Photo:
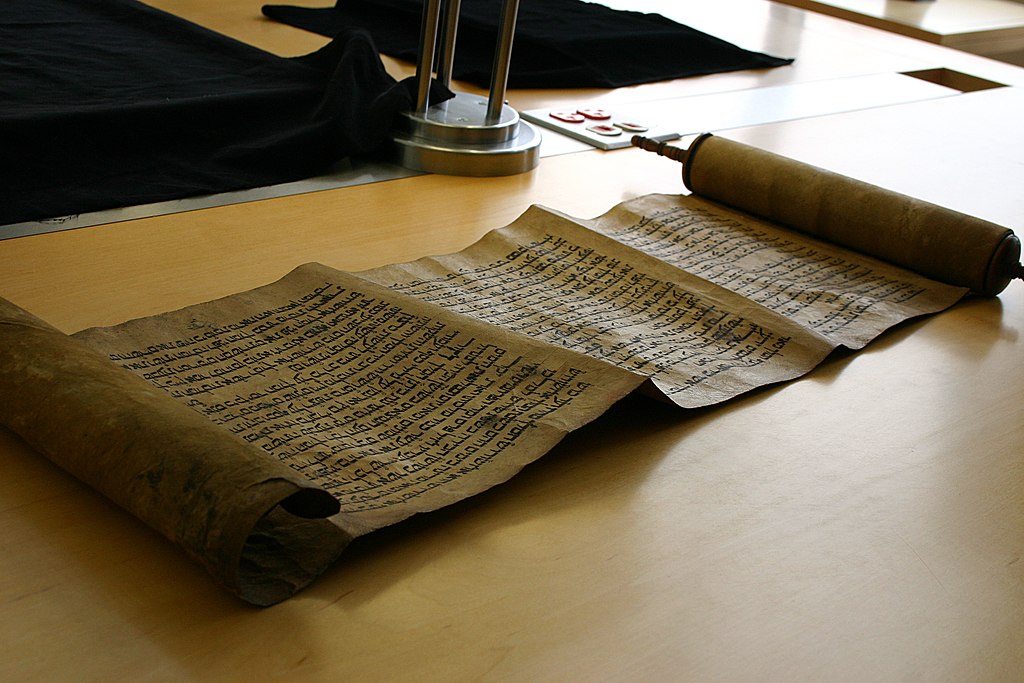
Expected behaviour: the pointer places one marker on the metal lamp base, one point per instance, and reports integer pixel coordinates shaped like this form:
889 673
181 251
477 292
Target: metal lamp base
455 137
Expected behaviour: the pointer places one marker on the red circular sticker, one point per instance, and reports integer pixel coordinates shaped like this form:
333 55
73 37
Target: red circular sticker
567 116
631 127
595 114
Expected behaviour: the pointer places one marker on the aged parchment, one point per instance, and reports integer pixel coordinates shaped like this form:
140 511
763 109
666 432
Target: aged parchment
391 405
704 304
263 431
847 297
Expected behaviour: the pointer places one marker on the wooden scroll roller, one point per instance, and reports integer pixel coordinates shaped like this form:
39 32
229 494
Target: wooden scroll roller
197 484
939 243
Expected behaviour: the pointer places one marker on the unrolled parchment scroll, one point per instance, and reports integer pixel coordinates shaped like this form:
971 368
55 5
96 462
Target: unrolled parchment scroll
936 242
263 431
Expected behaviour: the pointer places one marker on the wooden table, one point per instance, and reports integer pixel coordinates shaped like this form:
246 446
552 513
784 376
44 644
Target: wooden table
863 523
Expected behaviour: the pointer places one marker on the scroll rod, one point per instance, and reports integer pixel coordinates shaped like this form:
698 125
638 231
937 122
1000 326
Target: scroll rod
660 148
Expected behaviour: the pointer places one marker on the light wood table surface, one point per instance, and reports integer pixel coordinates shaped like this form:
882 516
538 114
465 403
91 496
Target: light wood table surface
864 523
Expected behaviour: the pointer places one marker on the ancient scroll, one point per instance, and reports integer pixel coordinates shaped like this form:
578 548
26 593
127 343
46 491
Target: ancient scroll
263 431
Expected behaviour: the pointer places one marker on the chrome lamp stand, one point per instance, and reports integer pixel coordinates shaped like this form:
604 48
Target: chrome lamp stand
467 135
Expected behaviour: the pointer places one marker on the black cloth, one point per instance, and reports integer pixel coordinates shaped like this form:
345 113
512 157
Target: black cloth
107 103
557 44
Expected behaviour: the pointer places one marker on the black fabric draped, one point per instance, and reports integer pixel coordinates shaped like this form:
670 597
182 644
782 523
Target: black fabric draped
107 103
558 43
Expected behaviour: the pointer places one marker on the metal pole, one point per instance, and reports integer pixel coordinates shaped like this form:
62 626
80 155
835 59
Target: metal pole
428 43
446 59
502 59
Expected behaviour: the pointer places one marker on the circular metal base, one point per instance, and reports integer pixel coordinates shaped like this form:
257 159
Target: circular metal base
454 138
461 119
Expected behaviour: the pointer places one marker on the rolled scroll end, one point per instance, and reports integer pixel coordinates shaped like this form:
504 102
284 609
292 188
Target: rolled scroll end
284 554
1004 267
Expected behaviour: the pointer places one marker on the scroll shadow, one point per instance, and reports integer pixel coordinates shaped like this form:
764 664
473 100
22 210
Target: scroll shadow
604 463
974 307
983 337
